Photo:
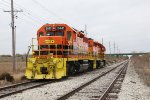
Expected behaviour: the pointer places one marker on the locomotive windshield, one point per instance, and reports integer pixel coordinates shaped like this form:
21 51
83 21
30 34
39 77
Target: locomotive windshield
55 34
50 34
59 33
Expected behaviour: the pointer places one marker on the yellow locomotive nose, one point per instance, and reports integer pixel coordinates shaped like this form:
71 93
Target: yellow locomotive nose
43 68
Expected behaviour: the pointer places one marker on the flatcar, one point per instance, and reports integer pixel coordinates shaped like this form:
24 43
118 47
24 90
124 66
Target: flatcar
62 51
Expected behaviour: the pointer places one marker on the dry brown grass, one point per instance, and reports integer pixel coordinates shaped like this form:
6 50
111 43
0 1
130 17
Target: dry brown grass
142 67
9 59
6 67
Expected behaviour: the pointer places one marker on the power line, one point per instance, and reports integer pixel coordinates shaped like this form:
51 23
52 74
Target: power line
1 8
4 4
45 9
33 18
28 12
30 20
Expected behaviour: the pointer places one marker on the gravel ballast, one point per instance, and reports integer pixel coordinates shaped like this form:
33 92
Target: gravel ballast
56 89
95 90
133 88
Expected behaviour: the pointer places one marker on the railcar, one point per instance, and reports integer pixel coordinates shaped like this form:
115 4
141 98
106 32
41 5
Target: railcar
61 51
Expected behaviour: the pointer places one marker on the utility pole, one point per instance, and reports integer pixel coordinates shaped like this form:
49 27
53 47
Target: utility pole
13 33
114 47
109 47
85 30
110 51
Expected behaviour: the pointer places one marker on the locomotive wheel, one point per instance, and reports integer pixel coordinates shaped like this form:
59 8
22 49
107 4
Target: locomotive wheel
77 67
104 62
71 69
98 65
90 66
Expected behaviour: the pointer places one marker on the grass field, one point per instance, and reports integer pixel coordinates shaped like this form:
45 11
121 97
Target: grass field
142 67
6 67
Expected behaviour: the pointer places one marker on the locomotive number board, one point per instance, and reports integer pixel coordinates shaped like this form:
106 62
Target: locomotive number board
49 28
60 28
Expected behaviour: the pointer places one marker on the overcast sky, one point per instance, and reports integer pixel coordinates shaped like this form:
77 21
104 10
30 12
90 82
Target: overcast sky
127 22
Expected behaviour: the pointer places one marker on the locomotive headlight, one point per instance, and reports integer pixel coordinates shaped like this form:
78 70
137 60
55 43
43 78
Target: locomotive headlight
54 61
33 61
33 52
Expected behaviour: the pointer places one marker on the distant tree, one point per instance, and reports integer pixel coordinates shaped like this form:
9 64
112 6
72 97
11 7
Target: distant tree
18 55
133 51
6 56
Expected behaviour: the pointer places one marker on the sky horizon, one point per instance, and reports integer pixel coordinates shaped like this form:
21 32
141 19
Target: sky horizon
124 22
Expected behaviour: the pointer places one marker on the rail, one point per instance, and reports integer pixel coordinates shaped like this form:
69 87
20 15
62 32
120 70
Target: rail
69 94
104 96
17 88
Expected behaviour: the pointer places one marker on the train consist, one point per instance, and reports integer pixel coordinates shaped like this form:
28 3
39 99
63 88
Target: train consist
62 51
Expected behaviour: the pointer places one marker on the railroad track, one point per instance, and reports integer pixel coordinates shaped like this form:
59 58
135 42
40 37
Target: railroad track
17 88
14 89
81 87
114 88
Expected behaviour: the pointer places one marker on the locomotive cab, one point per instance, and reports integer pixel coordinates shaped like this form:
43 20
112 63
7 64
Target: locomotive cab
55 39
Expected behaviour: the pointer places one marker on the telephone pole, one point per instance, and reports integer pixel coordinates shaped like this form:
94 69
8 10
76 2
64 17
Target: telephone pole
13 33
109 47
114 47
85 30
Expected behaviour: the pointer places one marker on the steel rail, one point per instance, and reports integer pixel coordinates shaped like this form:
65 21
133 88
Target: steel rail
72 92
9 90
104 96
13 85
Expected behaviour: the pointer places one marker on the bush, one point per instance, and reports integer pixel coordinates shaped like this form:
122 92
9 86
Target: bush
6 76
6 56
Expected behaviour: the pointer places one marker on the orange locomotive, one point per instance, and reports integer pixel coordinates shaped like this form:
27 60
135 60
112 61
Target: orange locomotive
62 51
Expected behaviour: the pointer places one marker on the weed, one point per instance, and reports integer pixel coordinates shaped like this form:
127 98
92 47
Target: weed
7 77
142 67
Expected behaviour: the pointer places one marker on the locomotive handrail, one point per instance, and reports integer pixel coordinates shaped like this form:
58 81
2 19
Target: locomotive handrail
29 47
56 49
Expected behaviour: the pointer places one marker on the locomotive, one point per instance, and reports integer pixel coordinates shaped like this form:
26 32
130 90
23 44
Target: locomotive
62 51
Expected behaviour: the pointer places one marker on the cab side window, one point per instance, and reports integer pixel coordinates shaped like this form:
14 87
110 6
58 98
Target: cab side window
50 34
41 34
68 35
